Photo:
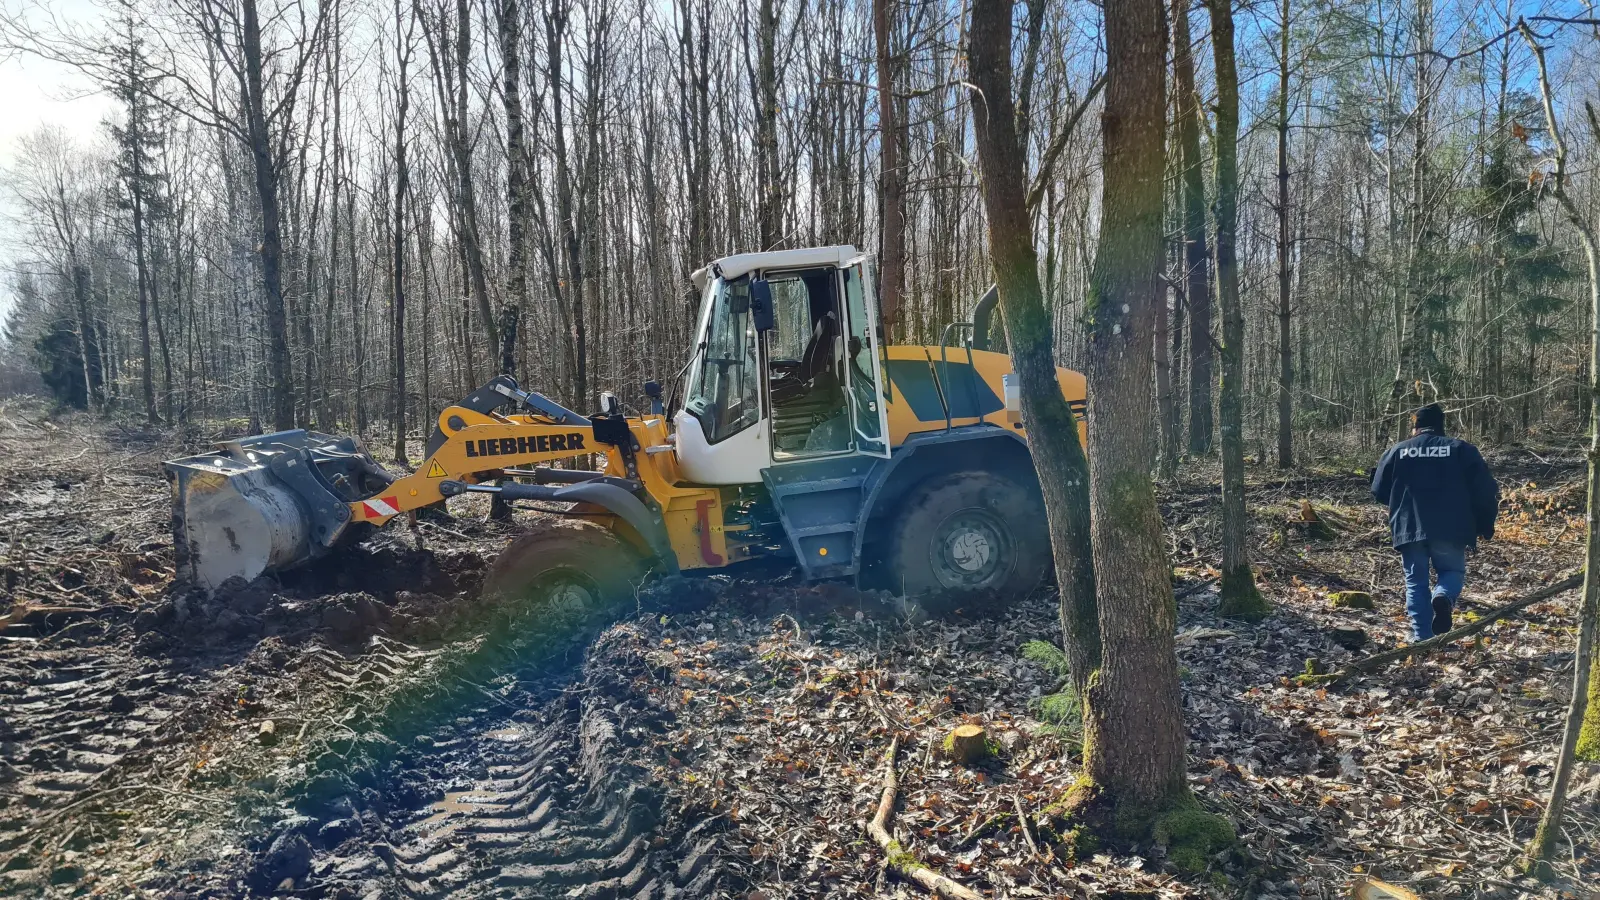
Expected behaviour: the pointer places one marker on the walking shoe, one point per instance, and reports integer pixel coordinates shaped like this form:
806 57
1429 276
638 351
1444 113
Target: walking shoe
1441 614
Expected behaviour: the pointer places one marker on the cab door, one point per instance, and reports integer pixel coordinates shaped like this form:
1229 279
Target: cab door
821 501
869 406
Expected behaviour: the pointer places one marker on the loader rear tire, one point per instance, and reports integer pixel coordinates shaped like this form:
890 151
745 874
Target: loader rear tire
568 572
971 533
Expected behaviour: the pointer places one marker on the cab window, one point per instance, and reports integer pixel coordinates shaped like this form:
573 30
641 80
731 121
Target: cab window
725 390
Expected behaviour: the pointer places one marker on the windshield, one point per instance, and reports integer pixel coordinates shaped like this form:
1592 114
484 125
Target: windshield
725 388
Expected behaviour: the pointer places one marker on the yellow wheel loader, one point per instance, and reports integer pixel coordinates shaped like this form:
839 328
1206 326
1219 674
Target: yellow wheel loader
800 436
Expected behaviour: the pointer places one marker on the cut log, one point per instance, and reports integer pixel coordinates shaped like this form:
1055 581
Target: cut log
967 744
1378 660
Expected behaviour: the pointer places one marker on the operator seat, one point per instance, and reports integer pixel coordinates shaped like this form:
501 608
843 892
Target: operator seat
815 362
811 390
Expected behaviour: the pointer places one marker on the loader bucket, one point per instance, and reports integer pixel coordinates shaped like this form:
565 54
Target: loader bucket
266 503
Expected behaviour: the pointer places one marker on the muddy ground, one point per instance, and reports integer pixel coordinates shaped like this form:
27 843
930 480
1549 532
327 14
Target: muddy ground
369 727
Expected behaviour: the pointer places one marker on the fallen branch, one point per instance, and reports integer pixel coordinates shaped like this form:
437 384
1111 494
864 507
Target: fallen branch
34 615
899 859
44 820
1379 660
1022 822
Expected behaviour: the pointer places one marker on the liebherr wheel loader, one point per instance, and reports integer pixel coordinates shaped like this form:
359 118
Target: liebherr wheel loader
800 436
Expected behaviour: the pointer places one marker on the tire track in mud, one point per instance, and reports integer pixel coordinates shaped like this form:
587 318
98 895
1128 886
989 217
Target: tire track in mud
72 719
557 801
82 726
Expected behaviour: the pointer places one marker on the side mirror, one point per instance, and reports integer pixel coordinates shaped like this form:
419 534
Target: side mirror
761 312
653 391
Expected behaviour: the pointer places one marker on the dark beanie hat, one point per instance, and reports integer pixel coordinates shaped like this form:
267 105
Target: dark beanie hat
1431 417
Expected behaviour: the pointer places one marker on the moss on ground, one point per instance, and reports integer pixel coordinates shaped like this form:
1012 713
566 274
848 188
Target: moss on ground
901 859
1351 600
1193 836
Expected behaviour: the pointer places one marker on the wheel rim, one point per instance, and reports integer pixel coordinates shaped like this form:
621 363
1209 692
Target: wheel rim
972 548
568 591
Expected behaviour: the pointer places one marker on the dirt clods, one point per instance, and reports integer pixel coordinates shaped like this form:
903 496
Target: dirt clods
287 860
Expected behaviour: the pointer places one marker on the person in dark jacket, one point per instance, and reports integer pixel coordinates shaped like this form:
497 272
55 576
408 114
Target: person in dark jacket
1441 500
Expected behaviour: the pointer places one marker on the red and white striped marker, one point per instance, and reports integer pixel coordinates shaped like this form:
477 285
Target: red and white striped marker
380 507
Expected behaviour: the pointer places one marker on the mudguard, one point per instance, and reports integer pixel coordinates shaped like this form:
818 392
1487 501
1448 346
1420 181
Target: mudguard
609 497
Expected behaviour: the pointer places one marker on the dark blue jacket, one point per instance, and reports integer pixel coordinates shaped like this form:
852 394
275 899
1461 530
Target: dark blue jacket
1438 489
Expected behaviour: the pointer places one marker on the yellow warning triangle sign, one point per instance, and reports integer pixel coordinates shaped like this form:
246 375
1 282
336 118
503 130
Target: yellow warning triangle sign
436 471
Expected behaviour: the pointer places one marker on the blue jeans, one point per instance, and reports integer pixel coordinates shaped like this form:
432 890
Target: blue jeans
1449 562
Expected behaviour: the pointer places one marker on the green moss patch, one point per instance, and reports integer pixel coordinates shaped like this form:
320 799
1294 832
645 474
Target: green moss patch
1352 600
903 860
1192 836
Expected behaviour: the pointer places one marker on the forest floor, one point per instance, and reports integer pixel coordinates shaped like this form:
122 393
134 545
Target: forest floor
369 727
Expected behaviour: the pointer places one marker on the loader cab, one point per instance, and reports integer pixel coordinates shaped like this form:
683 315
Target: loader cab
787 367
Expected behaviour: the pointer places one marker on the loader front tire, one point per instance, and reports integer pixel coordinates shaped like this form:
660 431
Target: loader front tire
567 572
971 533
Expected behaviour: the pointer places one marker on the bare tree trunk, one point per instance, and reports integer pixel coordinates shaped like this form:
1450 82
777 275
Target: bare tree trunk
164 348
516 180
1285 258
892 272
146 379
450 55
1408 372
278 364
1197 255
325 415
557 19
768 173
402 186
1053 432
694 86
1588 744
1580 735
358 333
1239 595
1164 405
1132 714
1178 336
516 193
88 342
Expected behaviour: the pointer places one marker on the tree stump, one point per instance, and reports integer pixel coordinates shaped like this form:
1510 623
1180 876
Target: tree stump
967 744
1308 524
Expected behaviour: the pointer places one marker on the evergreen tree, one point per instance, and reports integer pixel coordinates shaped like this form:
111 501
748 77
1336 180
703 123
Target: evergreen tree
139 140
1524 273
